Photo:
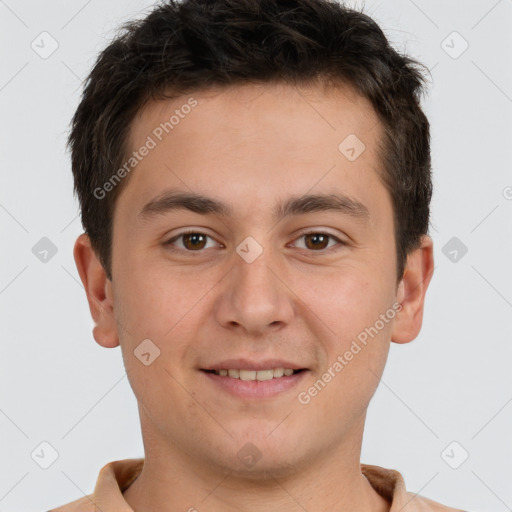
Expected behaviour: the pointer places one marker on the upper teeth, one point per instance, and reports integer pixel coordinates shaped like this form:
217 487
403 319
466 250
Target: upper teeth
255 375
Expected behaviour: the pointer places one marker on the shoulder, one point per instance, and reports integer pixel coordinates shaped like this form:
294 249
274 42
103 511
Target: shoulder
422 504
84 504
113 478
390 484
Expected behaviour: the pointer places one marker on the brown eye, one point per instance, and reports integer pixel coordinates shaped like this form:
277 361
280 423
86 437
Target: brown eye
318 241
192 241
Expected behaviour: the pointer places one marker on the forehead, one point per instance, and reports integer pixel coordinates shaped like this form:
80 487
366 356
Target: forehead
274 104
256 142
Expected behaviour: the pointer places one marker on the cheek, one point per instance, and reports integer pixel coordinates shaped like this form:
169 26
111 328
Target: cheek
166 307
156 320
346 300
154 301
353 311
356 344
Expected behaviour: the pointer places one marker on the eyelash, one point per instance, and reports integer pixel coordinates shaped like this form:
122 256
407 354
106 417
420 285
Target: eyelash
169 246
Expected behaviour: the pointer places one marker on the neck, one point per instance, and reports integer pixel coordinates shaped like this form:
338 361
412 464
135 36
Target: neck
173 480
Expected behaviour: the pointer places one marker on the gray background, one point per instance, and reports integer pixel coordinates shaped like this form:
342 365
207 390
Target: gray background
453 383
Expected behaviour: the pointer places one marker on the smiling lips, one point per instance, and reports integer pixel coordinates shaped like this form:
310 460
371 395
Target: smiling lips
246 375
248 379
246 369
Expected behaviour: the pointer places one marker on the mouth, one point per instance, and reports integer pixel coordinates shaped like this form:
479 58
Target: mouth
259 375
249 383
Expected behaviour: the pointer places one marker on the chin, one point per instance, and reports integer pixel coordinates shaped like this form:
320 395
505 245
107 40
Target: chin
261 457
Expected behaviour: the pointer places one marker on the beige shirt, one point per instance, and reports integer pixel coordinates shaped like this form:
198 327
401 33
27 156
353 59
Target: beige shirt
115 477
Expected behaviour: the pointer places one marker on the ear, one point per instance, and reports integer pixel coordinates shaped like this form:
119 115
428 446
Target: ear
411 292
99 292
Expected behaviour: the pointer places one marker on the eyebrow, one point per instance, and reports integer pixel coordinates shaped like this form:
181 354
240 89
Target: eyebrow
178 200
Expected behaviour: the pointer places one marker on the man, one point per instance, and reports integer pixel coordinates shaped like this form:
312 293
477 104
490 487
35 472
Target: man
254 181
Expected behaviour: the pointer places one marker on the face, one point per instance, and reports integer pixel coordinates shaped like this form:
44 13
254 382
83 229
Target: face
254 278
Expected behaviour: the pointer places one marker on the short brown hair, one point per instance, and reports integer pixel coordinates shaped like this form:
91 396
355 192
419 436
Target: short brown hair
185 46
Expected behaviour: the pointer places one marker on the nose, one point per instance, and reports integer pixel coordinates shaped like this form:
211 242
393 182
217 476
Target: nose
254 297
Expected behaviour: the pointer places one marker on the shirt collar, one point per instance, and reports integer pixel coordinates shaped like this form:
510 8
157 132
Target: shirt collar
115 477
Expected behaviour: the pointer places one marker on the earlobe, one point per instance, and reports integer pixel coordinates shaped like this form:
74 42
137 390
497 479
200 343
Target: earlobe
99 292
411 292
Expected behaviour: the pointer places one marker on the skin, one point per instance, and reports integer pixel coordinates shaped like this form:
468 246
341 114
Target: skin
252 147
